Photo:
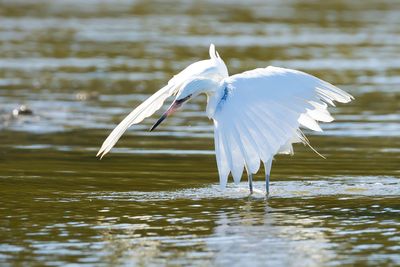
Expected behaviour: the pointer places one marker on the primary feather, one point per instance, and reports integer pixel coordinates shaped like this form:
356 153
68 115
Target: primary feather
144 110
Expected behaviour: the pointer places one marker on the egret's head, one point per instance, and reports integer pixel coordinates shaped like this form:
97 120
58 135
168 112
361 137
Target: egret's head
199 77
192 88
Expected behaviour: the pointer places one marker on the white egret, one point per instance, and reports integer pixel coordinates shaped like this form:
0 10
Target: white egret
257 114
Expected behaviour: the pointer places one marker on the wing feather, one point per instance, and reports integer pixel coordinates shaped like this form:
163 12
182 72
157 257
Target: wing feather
307 121
262 113
250 155
319 112
237 156
250 144
259 134
273 137
144 110
223 162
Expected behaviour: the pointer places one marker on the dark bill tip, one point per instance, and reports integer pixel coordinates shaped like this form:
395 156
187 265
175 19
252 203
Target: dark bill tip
160 120
174 106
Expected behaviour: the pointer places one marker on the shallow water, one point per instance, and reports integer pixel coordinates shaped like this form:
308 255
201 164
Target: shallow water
80 66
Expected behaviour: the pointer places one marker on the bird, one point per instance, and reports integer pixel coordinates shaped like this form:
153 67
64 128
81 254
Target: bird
257 114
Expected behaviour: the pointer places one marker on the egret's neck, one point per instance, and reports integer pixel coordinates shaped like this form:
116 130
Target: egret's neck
213 97
211 89
208 85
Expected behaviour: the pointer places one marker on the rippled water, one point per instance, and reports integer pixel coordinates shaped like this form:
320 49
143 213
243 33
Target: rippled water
81 66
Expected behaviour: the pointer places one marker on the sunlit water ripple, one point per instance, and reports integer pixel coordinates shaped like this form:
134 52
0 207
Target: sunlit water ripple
371 186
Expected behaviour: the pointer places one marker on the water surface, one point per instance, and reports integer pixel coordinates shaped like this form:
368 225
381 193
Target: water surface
81 66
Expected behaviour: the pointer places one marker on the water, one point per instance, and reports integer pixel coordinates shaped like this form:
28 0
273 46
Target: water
80 66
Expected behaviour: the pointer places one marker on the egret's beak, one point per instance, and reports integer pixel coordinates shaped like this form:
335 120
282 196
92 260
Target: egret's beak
174 106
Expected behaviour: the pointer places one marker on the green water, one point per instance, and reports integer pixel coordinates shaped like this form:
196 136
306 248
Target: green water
81 66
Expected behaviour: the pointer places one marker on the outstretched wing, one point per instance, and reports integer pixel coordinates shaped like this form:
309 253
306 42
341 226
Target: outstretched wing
260 114
144 110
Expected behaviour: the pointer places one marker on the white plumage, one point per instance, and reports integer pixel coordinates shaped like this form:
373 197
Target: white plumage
257 114
261 113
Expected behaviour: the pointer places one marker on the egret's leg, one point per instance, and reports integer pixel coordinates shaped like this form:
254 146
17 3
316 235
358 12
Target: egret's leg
250 182
267 166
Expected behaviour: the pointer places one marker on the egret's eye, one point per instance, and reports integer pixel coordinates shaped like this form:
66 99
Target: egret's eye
180 101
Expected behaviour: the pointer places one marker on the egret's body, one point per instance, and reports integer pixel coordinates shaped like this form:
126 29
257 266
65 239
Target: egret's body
257 114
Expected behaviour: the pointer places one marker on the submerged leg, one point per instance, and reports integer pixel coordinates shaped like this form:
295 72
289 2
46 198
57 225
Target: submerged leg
267 166
250 183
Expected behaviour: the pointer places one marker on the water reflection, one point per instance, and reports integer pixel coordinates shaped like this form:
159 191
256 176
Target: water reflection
256 237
